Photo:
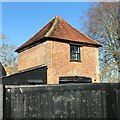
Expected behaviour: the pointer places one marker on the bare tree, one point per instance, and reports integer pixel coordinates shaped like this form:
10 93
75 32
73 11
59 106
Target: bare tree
7 56
101 22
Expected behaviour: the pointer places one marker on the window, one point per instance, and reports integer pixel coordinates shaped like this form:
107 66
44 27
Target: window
74 53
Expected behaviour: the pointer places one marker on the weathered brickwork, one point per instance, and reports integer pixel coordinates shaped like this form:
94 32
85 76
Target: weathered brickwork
57 57
63 67
37 55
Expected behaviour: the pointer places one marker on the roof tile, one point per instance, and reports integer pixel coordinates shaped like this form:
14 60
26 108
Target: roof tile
59 28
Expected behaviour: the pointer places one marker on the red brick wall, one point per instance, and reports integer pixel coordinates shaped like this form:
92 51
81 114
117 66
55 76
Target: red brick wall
57 57
37 55
61 65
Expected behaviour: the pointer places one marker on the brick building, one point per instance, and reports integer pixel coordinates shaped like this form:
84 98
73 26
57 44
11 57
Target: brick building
63 49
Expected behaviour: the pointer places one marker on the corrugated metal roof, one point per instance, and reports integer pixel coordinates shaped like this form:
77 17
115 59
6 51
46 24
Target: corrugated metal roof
59 28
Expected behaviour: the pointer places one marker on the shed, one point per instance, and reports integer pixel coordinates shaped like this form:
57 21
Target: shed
35 75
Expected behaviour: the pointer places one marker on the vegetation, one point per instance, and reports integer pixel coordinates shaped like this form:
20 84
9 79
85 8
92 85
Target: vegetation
101 22
7 56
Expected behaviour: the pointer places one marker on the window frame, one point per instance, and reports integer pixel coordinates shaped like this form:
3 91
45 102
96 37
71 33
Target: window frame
75 53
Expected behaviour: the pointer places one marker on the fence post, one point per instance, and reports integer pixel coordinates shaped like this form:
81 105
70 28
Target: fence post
111 99
6 103
1 101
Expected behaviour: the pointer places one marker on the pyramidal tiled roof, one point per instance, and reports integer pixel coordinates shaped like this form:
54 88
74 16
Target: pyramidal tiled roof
59 28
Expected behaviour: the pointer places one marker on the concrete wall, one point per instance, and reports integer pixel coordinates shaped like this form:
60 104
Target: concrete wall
57 57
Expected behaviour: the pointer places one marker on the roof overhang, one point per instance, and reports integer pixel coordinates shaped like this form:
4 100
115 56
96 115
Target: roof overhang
20 49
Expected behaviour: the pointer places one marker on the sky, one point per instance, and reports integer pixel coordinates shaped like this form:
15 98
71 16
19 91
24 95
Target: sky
21 20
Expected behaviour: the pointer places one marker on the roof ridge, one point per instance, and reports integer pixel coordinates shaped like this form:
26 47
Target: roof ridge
52 27
36 33
40 30
82 33
61 29
89 37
